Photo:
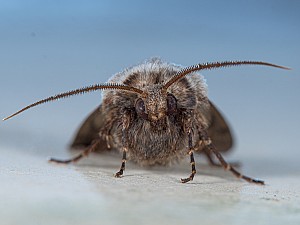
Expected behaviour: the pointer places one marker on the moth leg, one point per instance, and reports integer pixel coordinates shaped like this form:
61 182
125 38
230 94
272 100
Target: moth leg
192 160
120 173
226 165
188 129
212 162
208 155
89 149
125 125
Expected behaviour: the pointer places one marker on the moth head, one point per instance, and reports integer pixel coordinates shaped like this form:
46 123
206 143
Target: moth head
156 102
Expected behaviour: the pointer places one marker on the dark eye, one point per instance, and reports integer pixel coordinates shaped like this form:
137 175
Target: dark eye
171 103
140 107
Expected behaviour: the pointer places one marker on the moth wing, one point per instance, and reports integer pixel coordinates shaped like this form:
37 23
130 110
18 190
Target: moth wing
219 130
89 130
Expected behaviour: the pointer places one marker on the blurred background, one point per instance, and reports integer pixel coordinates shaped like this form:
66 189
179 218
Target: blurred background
48 47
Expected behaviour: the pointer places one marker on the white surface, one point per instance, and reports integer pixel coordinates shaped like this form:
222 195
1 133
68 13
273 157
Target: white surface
36 192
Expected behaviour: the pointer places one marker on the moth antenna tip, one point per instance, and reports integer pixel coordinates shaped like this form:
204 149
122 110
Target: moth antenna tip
282 67
8 117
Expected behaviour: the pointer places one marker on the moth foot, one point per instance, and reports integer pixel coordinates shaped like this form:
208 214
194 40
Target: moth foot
185 180
119 174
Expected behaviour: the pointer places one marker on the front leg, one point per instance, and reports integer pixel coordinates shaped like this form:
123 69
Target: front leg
125 124
188 128
192 160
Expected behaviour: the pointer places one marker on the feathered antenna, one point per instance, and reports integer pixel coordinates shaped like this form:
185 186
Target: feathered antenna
80 91
207 66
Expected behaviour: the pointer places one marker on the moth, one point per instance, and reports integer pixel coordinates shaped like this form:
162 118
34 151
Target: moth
156 113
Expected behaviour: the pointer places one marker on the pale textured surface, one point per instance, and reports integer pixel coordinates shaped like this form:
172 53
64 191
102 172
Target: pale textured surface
36 192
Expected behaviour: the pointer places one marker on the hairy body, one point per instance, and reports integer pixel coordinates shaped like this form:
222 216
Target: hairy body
164 140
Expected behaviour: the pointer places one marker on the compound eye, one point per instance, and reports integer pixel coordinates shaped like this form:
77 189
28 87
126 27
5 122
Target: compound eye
171 104
140 106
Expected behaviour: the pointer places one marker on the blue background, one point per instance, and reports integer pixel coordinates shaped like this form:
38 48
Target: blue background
48 47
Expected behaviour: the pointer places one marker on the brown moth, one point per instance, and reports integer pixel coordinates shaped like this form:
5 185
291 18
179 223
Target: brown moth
156 113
